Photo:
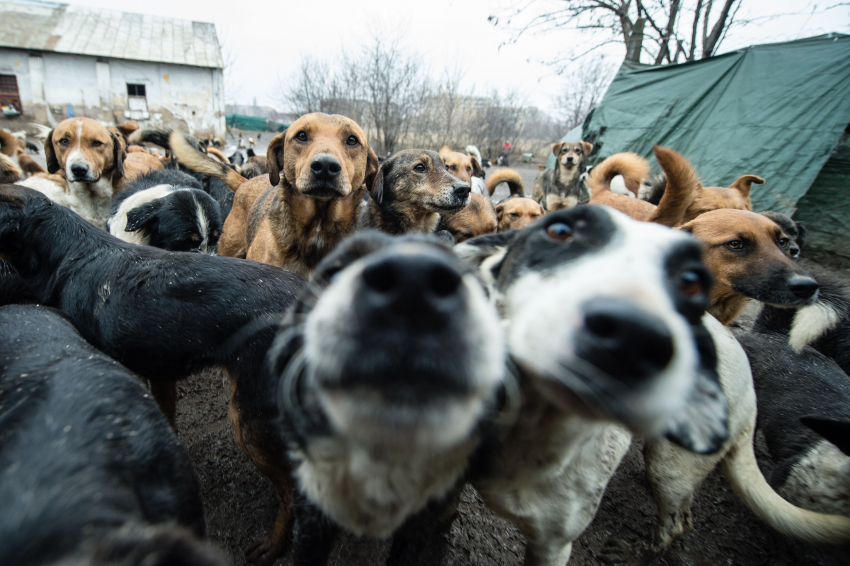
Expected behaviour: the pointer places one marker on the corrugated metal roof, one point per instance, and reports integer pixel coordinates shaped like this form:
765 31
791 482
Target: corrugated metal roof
52 26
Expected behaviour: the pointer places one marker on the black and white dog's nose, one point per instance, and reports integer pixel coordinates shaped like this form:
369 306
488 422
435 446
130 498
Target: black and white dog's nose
462 190
78 170
623 341
325 167
423 288
803 287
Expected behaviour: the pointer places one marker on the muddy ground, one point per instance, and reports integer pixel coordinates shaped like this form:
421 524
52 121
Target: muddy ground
240 503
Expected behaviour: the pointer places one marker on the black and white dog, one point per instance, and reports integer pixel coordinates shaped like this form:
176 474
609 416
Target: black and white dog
604 318
804 413
90 472
387 370
167 209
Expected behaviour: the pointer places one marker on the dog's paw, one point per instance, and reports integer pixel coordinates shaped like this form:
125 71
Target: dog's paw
264 551
631 551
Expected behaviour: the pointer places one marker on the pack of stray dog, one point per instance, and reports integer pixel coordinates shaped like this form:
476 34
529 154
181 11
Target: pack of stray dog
390 335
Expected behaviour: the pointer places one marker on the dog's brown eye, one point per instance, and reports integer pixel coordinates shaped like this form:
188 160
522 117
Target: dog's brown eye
96 143
352 141
690 283
735 244
64 141
420 168
301 136
559 231
783 242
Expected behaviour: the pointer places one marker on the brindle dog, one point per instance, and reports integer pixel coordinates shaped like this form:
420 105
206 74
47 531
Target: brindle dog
562 187
410 191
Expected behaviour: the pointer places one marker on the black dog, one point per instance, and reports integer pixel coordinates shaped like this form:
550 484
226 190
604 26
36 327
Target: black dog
804 413
167 209
386 371
162 314
87 461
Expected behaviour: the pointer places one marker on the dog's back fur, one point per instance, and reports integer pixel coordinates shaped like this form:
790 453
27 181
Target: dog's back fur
84 450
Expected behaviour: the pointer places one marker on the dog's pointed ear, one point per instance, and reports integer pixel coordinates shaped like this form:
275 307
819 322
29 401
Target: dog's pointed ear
274 156
744 183
477 171
834 430
119 153
556 148
141 216
372 167
50 155
376 188
586 148
801 234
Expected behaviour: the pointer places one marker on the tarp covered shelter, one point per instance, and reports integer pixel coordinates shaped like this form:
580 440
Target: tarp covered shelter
780 111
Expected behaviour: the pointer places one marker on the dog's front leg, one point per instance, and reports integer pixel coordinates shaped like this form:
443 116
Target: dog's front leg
312 532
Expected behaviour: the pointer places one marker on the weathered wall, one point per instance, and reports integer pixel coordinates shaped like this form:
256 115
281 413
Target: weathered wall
178 96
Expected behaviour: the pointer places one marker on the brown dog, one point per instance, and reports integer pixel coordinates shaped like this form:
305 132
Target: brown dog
8 143
462 166
28 164
9 171
310 200
748 255
410 192
562 187
682 183
93 161
736 196
517 212
476 219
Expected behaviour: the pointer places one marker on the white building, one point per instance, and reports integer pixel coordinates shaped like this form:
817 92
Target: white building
108 65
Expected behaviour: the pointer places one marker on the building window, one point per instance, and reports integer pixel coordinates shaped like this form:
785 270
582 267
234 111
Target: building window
136 90
137 103
10 98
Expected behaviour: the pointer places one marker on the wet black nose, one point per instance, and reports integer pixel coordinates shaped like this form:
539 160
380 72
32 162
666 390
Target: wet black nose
803 287
325 167
623 341
79 170
462 190
570 158
422 290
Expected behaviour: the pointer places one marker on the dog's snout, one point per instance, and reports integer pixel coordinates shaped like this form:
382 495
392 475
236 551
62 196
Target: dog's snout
623 340
79 170
422 288
325 167
803 287
462 190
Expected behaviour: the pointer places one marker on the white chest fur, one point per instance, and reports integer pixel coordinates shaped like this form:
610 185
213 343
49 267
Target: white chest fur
371 493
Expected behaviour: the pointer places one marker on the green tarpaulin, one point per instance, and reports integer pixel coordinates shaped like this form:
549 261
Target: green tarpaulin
250 123
777 110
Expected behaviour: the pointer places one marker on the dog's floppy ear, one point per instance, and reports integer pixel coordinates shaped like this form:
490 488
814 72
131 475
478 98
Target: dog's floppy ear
476 167
485 254
745 182
586 148
500 209
50 155
376 188
801 234
372 167
143 215
274 156
835 430
119 153
556 148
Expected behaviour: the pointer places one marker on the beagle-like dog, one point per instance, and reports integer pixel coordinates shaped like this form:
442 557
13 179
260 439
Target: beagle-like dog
310 200
95 165
517 212
563 186
706 199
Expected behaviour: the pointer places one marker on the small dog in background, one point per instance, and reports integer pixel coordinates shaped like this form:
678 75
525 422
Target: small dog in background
168 210
410 192
563 186
28 164
475 219
514 213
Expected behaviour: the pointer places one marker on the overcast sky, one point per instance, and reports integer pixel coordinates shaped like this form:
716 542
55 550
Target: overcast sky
268 38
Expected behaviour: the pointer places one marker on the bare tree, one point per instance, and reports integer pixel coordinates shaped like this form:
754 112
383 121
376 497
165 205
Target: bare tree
584 86
643 26
232 89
